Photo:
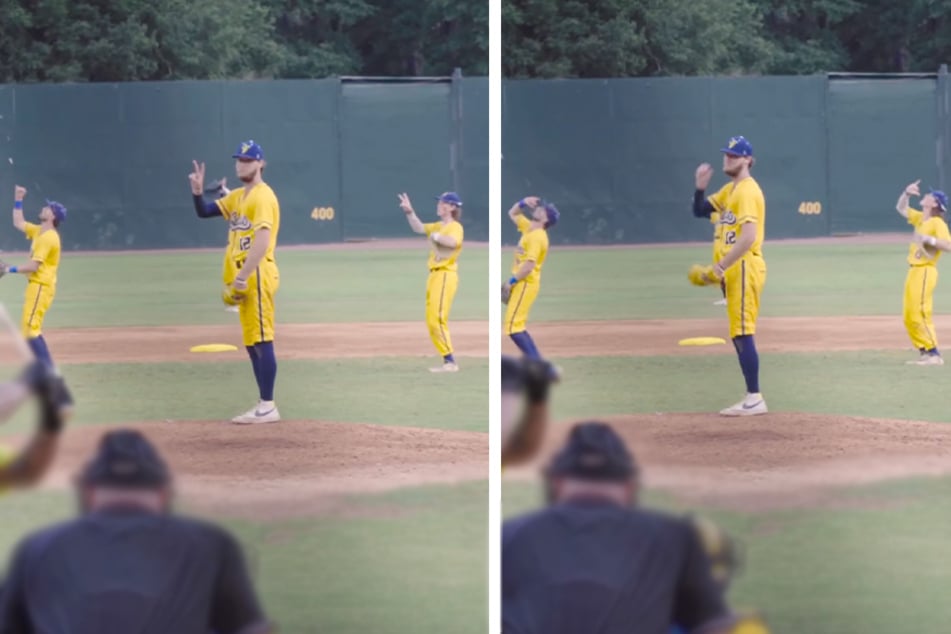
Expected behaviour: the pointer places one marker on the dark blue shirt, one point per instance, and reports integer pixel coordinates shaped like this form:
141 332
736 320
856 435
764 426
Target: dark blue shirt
129 572
592 567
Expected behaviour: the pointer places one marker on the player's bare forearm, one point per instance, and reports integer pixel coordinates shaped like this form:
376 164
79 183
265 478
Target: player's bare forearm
936 243
444 241
515 211
30 466
415 223
30 267
18 220
902 204
742 245
262 237
524 270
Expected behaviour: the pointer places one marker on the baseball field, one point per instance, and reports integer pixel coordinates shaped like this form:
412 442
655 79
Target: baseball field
840 495
365 509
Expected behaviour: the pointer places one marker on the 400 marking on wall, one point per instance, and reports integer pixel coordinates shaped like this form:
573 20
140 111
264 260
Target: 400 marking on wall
810 208
322 213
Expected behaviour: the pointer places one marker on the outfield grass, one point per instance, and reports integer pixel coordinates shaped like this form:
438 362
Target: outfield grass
413 560
873 384
651 283
159 289
876 565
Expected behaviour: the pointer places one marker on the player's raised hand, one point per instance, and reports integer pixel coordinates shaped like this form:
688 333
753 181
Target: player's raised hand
532 201
912 190
703 175
19 192
197 178
405 204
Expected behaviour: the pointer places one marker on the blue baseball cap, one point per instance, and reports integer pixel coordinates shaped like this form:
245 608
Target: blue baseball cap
738 146
941 198
552 213
450 197
59 212
249 150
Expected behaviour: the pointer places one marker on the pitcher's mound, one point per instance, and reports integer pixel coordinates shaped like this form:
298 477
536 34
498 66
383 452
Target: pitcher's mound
293 468
781 460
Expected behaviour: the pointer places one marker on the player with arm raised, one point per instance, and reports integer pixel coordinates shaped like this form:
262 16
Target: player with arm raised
251 275
520 291
446 238
741 266
930 239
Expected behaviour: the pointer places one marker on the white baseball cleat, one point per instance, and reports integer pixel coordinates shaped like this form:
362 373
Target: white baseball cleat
232 309
720 302
445 367
260 413
929 359
752 405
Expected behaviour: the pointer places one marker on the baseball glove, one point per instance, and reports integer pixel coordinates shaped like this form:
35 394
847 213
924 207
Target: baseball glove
702 275
722 550
506 292
231 297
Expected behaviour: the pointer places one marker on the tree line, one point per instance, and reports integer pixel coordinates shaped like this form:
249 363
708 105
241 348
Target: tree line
649 38
135 40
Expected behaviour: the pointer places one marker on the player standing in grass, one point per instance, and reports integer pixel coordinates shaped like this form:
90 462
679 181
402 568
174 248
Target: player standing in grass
446 238
931 238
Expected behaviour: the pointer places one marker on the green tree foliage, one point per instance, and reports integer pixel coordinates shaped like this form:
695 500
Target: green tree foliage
128 40
643 38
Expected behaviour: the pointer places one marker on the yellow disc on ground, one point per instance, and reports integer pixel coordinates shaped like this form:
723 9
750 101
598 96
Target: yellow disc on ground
214 347
701 341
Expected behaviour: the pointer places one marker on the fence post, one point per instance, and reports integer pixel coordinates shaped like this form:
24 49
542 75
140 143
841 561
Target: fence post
455 144
943 97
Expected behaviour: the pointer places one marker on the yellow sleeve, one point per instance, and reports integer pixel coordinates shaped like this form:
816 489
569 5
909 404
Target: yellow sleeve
263 211
940 230
749 205
31 230
914 217
523 223
718 200
533 247
456 231
429 227
230 202
715 218
43 245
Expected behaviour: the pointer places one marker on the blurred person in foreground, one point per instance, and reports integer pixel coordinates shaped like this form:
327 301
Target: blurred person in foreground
38 381
525 387
127 564
594 562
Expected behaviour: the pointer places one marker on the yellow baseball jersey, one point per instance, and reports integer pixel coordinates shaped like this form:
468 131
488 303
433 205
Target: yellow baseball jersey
442 258
45 250
533 246
738 205
920 254
247 213
717 235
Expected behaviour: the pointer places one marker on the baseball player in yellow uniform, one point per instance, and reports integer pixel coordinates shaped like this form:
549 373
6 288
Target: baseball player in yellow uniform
741 267
40 270
930 239
521 289
250 274
445 238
